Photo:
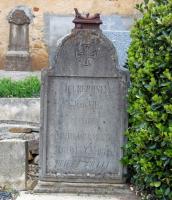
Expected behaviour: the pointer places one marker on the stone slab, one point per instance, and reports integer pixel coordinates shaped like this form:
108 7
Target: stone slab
13 165
116 23
18 75
121 40
82 188
84 138
83 116
6 134
20 110
27 196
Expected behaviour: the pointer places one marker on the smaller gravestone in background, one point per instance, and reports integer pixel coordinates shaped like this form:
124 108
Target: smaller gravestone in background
83 114
18 57
13 164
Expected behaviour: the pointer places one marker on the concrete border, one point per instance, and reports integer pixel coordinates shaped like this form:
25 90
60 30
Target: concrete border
18 75
20 110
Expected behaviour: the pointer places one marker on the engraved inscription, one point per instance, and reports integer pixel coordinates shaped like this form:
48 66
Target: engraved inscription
84 138
84 105
79 92
100 166
86 150
85 54
74 164
80 135
93 89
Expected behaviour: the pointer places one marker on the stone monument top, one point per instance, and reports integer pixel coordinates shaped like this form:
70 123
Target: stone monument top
20 15
87 51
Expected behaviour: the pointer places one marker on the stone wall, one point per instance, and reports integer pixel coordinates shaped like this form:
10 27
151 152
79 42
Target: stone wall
20 110
42 9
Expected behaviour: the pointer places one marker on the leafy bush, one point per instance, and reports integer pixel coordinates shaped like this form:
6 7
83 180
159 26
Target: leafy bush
29 87
148 152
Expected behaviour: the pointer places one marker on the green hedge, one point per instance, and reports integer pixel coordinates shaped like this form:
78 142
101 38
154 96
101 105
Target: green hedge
29 87
148 152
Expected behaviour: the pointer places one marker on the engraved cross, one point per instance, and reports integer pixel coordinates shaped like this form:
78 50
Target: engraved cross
85 53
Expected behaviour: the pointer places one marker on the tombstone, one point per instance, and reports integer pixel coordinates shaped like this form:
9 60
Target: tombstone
18 57
13 165
83 114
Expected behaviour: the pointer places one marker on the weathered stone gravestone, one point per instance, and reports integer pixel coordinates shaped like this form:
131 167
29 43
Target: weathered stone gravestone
18 57
84 115
13 165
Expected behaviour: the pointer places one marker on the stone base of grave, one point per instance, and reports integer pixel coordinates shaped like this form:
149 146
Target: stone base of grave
18 61
82 188
14 164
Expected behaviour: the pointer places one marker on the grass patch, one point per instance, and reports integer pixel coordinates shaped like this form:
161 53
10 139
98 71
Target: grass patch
26 88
